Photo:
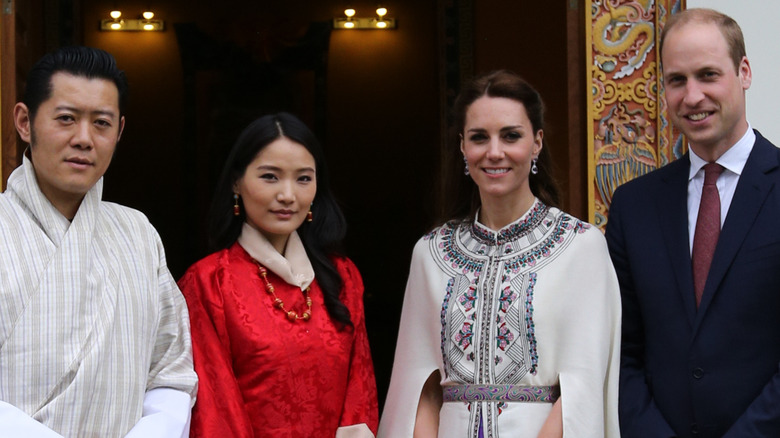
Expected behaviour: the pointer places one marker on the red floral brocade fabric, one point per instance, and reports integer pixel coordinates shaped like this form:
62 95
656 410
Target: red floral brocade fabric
262 375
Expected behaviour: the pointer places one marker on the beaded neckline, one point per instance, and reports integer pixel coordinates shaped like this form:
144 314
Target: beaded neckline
511 232
278 303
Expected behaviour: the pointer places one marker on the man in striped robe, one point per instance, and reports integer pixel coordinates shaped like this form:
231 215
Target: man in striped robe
94 334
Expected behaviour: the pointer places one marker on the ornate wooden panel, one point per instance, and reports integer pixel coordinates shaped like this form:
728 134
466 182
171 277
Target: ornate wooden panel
629 133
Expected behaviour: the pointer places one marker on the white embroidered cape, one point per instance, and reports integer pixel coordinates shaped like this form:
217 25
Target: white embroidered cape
534 304
90 317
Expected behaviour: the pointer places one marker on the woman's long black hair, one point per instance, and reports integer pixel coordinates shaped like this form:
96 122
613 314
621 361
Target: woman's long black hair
321 237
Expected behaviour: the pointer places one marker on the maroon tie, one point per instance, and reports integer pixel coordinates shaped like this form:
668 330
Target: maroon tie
707 229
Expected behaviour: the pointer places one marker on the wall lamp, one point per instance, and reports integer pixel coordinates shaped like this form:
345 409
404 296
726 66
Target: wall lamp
349 21
147 22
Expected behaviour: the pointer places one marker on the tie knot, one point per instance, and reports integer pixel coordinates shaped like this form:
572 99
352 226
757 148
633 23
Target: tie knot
711 173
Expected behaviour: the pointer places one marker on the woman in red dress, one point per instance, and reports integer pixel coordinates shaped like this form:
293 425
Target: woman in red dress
278 334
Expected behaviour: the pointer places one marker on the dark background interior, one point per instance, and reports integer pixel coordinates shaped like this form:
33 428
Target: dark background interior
377 100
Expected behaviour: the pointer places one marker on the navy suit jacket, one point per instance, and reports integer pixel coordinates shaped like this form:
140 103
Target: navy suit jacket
712 371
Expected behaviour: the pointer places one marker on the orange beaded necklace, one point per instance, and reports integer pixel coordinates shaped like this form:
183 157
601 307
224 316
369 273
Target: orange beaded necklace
278 303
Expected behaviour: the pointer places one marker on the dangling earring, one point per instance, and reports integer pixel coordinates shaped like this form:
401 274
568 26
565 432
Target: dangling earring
236 208
466 162
534 169
309 216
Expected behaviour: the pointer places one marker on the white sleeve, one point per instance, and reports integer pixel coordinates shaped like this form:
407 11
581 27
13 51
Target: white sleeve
589 341
17 423
417 351
355 431
166 414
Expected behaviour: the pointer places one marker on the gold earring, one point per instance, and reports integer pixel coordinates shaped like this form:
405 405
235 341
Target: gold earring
236 208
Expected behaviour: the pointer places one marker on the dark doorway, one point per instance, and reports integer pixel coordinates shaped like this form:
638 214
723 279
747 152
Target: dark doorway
372 98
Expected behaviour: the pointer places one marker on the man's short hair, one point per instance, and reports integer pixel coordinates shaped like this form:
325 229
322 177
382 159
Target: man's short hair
727 25
79 61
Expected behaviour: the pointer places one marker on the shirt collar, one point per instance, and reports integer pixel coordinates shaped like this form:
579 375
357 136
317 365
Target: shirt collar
293 267
529 220
23 183
733 159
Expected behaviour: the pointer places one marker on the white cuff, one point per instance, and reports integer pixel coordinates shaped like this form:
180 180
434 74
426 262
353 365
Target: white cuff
166 414
15 423
355 431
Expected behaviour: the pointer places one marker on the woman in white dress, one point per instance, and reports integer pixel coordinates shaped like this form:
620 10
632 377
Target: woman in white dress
511 318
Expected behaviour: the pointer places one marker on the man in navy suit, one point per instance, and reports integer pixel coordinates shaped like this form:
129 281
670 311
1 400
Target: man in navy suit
701 348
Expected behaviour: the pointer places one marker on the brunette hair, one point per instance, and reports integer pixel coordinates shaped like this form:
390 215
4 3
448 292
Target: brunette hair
731 31
460 194
321 237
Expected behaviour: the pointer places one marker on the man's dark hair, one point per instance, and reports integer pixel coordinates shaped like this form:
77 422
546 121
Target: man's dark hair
79 61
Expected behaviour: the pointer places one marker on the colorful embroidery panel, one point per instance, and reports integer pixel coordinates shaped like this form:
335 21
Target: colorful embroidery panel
488 334
511 393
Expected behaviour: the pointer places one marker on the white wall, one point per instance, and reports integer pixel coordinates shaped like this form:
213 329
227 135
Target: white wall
758 20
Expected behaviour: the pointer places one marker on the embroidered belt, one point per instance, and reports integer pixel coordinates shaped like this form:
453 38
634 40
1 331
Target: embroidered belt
506 393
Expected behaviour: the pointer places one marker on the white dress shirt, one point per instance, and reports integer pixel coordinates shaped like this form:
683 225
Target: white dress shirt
733 161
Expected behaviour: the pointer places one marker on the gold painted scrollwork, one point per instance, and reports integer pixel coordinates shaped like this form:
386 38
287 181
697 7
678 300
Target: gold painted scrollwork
625 31
630 133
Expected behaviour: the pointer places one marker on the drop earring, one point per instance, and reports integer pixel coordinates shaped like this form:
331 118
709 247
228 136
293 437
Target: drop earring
466 169
534 169
236 208
309 216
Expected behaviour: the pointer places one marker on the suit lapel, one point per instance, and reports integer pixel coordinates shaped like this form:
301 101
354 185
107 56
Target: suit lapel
752 189
673 218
